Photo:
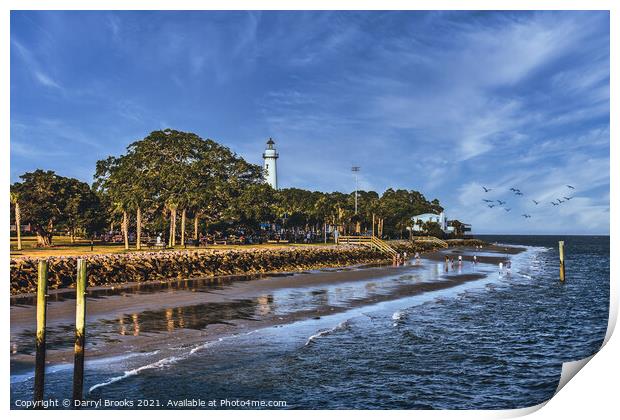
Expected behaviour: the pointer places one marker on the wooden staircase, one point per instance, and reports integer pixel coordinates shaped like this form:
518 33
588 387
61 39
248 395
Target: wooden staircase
431 239
370 241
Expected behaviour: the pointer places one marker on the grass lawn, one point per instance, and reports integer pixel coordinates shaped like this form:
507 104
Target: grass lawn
62 246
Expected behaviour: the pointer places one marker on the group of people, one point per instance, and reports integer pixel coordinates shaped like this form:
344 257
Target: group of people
507 267
450 262
401 258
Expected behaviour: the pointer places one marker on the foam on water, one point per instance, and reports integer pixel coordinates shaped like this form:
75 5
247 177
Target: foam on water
322 333
157 365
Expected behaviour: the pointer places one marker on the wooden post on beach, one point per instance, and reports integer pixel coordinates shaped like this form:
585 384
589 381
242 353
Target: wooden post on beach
39 370
561 260
80 315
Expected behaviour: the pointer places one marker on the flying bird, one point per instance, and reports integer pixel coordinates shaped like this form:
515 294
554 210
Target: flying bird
560 201
491 205
513 189
568 198
570 186
535 202
501 203
518 193
507 209
487 200
486 189
527 216
554 203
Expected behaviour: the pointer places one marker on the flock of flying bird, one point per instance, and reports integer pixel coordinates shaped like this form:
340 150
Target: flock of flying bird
517 192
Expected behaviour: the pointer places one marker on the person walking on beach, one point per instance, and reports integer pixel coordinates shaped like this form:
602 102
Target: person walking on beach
447 262
460 260
501 267
475 260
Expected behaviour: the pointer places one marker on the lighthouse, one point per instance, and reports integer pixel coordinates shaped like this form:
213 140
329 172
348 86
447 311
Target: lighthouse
271 156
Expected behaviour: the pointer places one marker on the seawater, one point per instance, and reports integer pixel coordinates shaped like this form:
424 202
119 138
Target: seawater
494 343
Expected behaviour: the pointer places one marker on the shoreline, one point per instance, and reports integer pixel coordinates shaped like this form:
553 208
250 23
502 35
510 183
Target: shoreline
246 302
23 270
119 269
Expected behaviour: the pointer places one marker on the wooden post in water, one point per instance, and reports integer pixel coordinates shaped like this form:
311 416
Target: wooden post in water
80 333
39 370
561 260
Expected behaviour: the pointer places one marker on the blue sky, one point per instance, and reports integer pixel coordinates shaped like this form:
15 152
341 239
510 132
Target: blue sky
442 102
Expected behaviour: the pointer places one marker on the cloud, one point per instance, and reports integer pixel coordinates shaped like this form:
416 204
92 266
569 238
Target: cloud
45 80
33 65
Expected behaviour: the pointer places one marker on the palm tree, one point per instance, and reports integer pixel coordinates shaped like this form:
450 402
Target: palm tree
18 219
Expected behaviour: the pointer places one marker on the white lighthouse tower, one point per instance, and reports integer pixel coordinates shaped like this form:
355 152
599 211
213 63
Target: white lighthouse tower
271 156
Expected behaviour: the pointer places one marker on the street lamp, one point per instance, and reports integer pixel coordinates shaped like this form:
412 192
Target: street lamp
355 170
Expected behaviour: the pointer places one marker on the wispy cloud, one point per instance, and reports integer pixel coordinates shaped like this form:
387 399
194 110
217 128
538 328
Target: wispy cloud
33 66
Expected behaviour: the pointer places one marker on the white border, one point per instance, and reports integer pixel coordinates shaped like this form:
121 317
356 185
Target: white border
593 394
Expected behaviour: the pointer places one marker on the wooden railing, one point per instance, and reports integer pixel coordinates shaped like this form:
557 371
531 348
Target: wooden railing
431 239
371 241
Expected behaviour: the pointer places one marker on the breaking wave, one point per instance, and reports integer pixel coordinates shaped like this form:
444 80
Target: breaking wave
325 332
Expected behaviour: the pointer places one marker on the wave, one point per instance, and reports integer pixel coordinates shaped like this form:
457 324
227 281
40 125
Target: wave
325 332
205 345
397 315
160 364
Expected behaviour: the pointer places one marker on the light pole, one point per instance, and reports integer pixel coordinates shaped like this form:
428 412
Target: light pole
355 170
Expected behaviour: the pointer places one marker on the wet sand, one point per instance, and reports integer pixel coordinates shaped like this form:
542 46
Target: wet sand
145 320
467 253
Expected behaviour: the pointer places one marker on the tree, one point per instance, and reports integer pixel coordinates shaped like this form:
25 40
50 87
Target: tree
176 171
255 204
50 201
433 229
15 203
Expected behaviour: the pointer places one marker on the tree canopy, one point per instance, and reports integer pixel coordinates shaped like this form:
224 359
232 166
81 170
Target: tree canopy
51 202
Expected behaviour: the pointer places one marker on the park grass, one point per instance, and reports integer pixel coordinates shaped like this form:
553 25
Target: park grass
62 247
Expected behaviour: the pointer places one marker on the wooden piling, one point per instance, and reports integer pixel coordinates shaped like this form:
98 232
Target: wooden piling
39 370
561 260
80 330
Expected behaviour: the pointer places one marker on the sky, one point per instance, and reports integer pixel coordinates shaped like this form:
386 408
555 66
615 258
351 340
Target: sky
441 102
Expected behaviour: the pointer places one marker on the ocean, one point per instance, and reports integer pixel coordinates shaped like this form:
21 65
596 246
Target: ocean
496 342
